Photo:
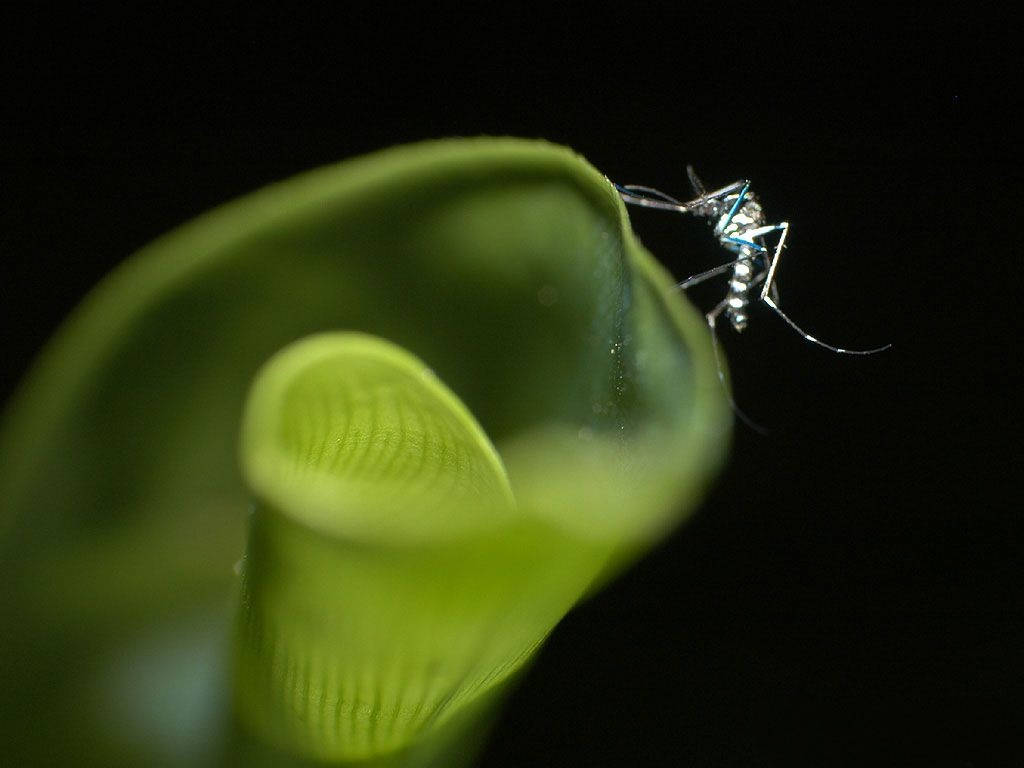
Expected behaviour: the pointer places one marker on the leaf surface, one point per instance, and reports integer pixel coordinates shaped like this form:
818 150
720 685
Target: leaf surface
507 268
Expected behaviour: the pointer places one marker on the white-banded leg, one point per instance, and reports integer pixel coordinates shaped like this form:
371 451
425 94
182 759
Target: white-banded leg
841 350
770 295
760 232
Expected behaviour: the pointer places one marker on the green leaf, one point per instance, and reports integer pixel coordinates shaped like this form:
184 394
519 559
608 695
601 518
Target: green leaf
363 442
505 266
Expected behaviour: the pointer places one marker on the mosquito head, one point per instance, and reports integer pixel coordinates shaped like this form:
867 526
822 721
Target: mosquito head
712 210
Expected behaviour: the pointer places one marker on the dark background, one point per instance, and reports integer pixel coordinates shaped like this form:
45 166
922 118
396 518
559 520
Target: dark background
850 593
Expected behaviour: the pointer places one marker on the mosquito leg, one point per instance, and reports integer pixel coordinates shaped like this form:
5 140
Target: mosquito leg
700 277
770 294
649 197
711 317
728 189
724 222
769 280
775 308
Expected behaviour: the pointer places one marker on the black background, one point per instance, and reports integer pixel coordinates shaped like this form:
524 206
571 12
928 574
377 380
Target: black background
850 593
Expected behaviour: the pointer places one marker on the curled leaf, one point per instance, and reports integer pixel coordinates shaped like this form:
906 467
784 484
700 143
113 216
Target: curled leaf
578 420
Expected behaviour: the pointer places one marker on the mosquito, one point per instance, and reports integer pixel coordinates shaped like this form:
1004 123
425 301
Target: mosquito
740 227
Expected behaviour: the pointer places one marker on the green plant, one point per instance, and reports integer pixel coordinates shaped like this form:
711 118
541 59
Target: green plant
483 399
